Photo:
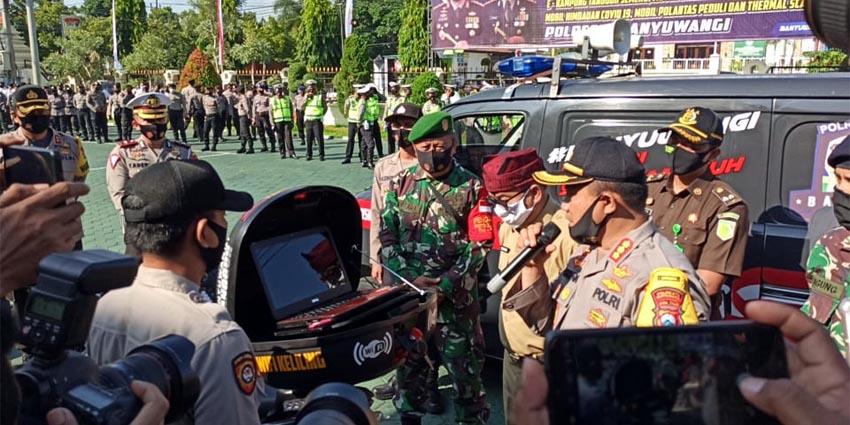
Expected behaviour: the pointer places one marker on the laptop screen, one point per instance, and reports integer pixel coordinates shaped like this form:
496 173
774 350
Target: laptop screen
299 270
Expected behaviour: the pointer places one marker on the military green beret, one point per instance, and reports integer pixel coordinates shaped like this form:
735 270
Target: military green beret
432 126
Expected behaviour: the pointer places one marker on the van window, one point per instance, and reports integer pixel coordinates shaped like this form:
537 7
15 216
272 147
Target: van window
483 135
807 182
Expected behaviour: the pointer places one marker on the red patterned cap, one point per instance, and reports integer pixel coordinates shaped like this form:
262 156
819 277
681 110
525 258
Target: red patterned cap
511 171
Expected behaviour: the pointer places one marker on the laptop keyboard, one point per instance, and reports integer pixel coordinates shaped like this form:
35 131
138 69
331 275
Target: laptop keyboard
318 311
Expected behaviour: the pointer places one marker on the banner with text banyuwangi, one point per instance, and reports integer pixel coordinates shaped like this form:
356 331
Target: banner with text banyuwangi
462 24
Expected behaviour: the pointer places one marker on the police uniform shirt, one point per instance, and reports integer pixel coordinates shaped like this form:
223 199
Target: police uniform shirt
159 303
464 23
448 100
69 149
57 105
713 222
177 101
261 104
514 22
116 102
70 109
516 336
210 103
96 101
243 107
603 290
128 158
385 169
80 101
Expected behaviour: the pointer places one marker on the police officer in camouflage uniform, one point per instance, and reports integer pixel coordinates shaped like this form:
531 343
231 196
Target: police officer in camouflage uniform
150 117
425 238
827 270
31 113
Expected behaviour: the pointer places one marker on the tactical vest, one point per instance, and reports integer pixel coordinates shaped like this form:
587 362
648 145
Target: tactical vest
373 109
281 109
353 109
313 110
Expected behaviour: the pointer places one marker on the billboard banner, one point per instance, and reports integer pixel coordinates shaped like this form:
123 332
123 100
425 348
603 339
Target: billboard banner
464 24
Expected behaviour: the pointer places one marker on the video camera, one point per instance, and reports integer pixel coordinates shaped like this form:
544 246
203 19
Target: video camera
56 316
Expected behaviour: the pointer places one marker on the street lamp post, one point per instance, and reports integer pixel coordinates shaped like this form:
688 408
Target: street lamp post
36 63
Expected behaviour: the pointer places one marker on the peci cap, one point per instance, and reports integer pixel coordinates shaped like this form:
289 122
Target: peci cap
405 110
698 125
840 156
596 158
150 106
432 126
180 189
511 171
29 98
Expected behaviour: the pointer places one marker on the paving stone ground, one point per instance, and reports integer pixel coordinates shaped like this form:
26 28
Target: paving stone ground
263 174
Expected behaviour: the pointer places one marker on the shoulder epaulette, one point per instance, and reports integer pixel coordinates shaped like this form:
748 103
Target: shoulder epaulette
658 177
127 143
726 195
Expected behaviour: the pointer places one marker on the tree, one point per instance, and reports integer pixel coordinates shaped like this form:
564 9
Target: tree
378 22
355 67
254 49
48 21
318 43
199 68
131 23
414 42
296 73
160 47
423 82
99 8
203 27
85 54
832 59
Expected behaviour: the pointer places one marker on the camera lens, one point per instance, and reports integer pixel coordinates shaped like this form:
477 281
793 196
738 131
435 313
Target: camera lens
336 404
830 22
166 363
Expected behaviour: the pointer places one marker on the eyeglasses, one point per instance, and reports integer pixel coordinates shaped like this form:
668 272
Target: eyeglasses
504 204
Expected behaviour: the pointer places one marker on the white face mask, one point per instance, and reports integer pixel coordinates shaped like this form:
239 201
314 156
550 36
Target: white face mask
514 215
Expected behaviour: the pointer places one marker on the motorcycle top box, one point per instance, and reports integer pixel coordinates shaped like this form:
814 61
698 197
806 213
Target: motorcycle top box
290 277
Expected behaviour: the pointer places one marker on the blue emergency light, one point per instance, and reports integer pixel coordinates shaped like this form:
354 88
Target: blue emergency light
526 66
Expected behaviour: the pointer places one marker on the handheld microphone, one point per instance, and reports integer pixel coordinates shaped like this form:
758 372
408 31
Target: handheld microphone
547 236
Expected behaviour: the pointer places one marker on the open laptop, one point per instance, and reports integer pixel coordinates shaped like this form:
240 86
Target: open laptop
306 283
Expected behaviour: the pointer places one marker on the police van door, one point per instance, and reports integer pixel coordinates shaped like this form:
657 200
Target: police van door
800 187
636 123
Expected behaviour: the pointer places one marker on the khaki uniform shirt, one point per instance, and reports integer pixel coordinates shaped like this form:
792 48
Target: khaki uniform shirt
128 158
80 102
385 169
243 106
116 102
177 102
431 107
604 289
299 100
96 101
159 303
261 104
713 218
210 104
517 337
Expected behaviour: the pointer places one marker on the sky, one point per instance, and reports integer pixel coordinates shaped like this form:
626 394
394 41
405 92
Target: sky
262 8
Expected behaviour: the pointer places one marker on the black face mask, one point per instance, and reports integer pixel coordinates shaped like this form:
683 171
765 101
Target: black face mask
36 123
685 162
434 162
212 256
402 138
154 131
586 231
841 206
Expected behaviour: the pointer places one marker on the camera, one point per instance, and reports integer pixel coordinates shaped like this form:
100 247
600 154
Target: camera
55 317
830 22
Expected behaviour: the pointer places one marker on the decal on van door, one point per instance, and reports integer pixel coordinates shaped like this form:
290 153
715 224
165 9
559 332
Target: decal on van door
644 140
806 202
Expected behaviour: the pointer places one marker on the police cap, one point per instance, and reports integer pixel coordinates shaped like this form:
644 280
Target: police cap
150 106
840 156
698 125
596 158
29 98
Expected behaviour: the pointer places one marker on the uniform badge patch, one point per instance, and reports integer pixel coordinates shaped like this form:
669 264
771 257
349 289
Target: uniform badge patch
621 250
692 218
613 285
114 159
597 317
245 372
725 229
622 272
565 293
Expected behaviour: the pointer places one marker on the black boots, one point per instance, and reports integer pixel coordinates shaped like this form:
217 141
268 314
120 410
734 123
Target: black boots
434 405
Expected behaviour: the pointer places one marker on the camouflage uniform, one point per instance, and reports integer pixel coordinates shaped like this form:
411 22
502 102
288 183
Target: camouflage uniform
829 282
421 237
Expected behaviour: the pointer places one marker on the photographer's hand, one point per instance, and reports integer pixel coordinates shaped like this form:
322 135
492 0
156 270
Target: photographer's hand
153 410
35 221
818 391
